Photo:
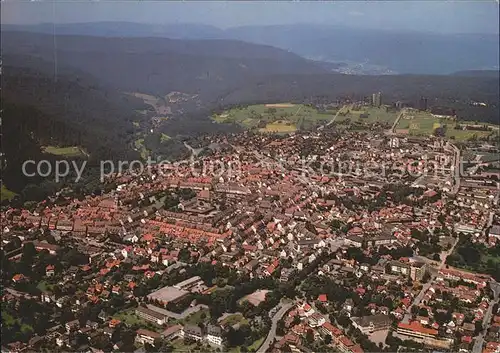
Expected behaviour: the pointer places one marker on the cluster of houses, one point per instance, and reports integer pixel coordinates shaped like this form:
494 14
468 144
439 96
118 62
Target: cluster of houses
272 216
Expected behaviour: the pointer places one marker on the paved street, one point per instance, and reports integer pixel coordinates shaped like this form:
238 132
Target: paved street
272 333
456 187
427 285
393 127
479 341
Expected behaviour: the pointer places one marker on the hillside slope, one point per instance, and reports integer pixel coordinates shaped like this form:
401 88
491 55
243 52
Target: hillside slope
403 52
158 65
79 113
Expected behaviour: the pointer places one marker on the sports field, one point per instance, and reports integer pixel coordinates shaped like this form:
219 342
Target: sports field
275 117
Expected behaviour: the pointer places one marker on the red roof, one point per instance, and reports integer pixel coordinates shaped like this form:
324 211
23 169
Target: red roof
335 331
417 327
467 339
356 349
322 298
360 290
346 341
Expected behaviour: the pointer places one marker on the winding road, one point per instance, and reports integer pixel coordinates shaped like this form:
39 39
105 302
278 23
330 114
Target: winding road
272 333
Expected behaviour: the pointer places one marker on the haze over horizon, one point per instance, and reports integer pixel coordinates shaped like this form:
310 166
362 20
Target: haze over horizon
448 17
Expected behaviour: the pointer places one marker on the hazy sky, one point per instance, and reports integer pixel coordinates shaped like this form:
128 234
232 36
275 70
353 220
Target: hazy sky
427 15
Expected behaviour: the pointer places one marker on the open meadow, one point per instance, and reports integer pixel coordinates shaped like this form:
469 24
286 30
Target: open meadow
70 151
6 194
367 114
275 118
419 123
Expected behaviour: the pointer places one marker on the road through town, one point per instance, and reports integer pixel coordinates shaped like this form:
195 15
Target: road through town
272 333
479 340
427 285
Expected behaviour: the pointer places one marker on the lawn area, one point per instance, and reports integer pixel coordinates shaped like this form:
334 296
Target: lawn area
70 151
165 138
373 115
198 317
266 117
6 194
139 147
475 257
233 320
256 344
44 286
424 124
252 348
464 135
279 126
179 346
128 317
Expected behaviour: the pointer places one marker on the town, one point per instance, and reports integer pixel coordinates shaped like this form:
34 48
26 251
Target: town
330 239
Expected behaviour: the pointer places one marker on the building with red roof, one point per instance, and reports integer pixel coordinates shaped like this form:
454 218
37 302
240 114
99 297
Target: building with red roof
323 298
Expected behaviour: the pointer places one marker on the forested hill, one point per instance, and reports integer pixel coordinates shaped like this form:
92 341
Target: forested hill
399 51
39 110
160 65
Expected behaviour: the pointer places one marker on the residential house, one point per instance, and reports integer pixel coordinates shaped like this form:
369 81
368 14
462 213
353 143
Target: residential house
151 315
146 336
193 332
372 323
214 334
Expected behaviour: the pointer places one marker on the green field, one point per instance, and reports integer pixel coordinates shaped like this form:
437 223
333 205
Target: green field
44 286
233 320
279 117
374 115
424 124
179 345
130 318
71 151
198 317
280 126
256 345
252 348
165 138
6 194
139 147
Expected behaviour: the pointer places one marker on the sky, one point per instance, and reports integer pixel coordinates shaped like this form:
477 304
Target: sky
439 16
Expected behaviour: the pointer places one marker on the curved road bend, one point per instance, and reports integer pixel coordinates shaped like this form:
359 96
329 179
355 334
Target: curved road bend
272 333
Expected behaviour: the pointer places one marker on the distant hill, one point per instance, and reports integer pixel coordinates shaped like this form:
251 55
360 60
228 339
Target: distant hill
403 52
478 73
160 65
124 29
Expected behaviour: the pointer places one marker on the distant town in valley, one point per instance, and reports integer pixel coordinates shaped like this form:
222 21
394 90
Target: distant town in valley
268 186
